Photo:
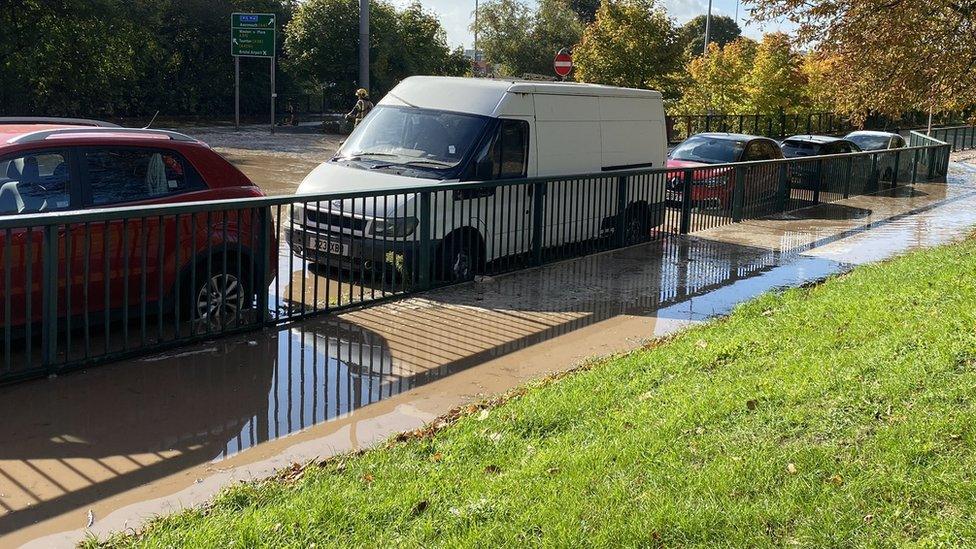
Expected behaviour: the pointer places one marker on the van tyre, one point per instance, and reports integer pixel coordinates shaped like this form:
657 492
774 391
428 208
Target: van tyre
457 259
636 225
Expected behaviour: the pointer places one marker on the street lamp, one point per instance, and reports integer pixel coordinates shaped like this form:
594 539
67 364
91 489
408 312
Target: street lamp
477 68
708 27
364 44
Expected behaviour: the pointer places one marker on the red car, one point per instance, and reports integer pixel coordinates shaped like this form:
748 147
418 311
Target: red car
49 165
714 186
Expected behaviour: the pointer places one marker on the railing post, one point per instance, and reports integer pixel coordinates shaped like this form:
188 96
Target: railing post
708 122
738 194
930 152
538 220
875 175
914 166
424 253
816 190
263 262
783 190
847 177
49 297
686 182
619 236
894 170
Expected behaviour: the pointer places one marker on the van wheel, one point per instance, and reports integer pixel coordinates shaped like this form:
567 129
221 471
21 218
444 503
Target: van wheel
457 259
636 227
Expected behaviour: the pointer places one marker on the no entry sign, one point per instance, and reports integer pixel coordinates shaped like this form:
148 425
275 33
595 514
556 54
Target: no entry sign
563 63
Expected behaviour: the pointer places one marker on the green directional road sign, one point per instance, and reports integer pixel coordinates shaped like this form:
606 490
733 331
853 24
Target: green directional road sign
252 34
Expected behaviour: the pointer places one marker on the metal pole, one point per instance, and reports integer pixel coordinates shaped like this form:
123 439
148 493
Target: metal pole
273 94
237 93
364 44
477 67
708 27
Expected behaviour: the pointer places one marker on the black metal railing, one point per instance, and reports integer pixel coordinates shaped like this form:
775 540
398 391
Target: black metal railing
88 286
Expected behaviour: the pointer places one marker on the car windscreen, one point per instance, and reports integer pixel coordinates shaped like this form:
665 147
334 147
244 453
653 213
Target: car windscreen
870 142
708 150
413 137
794 147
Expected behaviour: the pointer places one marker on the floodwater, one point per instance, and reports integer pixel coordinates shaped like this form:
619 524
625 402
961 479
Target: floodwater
276 163
138 438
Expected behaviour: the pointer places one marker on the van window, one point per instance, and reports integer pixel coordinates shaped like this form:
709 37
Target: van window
506 157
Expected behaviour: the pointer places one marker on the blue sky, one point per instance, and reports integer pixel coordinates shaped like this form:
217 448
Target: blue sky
456 16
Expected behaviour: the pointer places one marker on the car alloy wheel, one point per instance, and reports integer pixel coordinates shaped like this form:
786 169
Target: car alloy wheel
219 301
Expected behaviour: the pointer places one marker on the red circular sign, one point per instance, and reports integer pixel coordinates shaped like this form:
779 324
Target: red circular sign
563 63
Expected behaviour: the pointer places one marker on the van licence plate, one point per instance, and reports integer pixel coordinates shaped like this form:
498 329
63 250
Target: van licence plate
329 246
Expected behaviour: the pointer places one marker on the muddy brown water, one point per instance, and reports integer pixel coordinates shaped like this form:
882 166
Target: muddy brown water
142 437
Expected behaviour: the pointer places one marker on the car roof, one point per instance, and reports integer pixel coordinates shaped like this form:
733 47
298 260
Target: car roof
731 136
24 131
818 139
871 133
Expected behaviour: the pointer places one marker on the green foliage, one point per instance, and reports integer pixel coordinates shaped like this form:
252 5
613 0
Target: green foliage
112 58
836 416
717 82
322 44
632 43
745 77
522 41
724 30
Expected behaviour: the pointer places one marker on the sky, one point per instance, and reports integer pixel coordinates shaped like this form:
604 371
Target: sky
455 15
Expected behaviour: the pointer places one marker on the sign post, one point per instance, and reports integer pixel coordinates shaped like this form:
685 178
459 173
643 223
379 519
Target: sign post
252 35
563 64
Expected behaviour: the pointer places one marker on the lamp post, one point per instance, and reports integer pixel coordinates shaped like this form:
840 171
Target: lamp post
477 68
364 44
708 27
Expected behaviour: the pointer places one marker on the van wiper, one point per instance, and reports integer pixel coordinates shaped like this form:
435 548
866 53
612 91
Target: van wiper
360 155
430 163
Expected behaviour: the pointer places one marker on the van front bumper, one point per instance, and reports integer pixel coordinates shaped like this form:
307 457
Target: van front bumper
349 251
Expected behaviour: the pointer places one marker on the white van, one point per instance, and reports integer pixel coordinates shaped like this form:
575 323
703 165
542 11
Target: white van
430 131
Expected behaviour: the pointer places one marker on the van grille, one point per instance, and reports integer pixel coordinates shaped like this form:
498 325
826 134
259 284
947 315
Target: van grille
335 220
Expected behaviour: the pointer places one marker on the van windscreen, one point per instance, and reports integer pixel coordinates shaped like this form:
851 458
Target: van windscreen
415 137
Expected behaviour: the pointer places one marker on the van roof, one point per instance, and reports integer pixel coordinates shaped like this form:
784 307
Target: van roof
483 95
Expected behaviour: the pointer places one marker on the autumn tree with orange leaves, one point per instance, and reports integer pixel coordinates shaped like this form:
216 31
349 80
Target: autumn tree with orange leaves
890 56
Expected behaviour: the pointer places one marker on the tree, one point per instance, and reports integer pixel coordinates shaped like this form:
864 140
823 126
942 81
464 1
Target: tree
631 43
520 40
775 82
321 44
723 30
717 82
821 73
585 9
895 55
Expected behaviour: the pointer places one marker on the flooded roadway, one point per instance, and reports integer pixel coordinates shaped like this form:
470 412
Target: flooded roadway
150 436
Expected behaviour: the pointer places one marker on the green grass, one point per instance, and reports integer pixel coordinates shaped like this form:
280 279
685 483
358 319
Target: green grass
838 415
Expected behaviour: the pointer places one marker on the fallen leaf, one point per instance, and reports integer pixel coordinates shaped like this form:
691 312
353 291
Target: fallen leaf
495 437
91 518
791 468
751 404
483 415
702 344
836 480
553 470
493 470
368 478
868 518
437 457
647 395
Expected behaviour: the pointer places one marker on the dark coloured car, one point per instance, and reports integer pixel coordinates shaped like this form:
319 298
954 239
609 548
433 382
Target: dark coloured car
49 165
714 186
807 175
876 141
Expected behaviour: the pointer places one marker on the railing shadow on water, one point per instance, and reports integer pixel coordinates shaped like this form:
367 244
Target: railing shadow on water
84 287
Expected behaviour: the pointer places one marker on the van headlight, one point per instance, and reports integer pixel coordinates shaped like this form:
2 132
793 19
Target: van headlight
397 227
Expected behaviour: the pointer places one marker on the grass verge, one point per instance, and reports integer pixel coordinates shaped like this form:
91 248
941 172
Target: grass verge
837 415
